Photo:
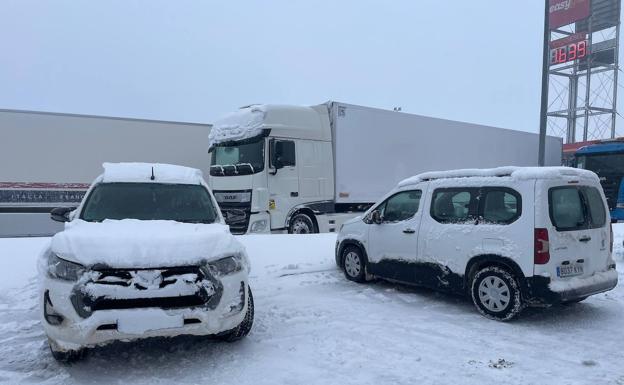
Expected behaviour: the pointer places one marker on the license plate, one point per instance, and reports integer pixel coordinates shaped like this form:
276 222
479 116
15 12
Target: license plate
141 321
570 270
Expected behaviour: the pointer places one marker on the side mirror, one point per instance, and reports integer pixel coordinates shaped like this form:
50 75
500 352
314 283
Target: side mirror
61 214
376 217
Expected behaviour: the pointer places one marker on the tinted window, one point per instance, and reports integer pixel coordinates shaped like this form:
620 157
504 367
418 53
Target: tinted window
286 152
149 201
454 205
401 206
566 207
597 210
500 205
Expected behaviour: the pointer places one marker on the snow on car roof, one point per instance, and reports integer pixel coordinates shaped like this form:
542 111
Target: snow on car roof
142 172
517 173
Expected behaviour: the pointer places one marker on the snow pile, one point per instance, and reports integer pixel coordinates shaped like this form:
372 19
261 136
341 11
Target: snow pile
314 327
516 173
142 172
245 123
132 243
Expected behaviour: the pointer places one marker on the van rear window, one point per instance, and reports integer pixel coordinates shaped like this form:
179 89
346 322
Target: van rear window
576 208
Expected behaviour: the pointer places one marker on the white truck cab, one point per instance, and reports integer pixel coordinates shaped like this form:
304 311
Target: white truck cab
272 168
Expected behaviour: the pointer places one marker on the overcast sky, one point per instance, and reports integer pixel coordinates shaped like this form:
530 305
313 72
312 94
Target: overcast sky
477 61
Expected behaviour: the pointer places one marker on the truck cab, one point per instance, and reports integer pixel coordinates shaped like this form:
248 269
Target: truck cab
272 168
606 159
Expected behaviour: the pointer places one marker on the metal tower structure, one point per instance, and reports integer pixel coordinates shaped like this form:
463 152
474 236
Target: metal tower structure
583 43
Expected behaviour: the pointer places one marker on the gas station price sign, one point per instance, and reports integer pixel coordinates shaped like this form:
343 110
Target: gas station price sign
569 48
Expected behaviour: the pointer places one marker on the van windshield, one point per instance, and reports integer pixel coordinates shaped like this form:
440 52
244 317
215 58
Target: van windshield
576 208
149 201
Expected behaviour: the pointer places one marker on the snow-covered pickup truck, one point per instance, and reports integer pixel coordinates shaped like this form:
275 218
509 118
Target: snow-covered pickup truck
146 253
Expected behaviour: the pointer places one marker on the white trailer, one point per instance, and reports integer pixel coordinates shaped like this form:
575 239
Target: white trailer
306 169
49 159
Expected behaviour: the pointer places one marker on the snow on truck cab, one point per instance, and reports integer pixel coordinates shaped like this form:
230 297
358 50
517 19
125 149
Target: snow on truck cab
299 169
506 237
146 253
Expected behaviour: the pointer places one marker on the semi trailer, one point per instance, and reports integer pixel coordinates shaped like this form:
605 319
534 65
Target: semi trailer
48 160
280 168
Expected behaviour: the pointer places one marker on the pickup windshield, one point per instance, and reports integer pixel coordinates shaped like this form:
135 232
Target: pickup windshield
238 159
149 201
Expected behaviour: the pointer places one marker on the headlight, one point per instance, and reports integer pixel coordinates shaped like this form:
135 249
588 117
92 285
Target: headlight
62 269
225 266
258 226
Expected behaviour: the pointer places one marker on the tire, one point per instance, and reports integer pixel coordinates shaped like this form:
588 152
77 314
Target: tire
244 327
302 224
354 264
66 356
496 293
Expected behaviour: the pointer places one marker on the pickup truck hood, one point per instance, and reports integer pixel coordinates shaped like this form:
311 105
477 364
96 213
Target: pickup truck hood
131 243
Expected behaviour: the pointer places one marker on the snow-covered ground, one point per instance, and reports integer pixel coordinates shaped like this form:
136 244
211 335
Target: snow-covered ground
314 327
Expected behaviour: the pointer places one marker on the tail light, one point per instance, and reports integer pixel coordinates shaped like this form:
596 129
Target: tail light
541 254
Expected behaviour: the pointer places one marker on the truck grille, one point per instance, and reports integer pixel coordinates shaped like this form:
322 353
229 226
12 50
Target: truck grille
611 186
166 288
235 206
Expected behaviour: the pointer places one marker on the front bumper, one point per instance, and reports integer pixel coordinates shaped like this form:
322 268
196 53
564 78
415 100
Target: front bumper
151 312
544 291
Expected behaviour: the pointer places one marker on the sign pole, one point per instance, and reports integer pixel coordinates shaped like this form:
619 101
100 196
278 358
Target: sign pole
544 105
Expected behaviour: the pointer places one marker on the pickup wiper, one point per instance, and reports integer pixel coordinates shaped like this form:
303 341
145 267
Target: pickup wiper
195 221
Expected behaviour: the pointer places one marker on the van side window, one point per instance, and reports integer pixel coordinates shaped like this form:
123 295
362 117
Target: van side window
500 205
454 205
401 206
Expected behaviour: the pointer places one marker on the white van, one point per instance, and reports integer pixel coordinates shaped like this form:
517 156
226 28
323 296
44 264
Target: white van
146 253
507 237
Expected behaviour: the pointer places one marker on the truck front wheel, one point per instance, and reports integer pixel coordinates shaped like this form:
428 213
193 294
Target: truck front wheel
301 224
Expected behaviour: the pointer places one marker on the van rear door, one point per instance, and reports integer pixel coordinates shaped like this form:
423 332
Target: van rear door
578 228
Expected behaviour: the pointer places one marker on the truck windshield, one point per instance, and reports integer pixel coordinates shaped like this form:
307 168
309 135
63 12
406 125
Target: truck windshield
603 164
238 159
149 201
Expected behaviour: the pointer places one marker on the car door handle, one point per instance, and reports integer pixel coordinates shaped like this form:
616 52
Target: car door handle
294 193
586 238
409 231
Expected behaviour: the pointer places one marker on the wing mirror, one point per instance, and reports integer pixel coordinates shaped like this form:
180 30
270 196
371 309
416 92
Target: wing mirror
376 217
61 214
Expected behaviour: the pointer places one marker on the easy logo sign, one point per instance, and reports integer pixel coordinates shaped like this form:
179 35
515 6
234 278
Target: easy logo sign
563 12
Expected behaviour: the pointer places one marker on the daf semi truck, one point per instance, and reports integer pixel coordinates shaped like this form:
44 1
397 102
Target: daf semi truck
279 168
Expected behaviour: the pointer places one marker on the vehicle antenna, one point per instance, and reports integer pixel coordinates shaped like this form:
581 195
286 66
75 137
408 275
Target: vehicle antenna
152 177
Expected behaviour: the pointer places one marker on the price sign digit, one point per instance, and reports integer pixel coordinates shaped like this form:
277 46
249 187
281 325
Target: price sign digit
572 51
582 48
